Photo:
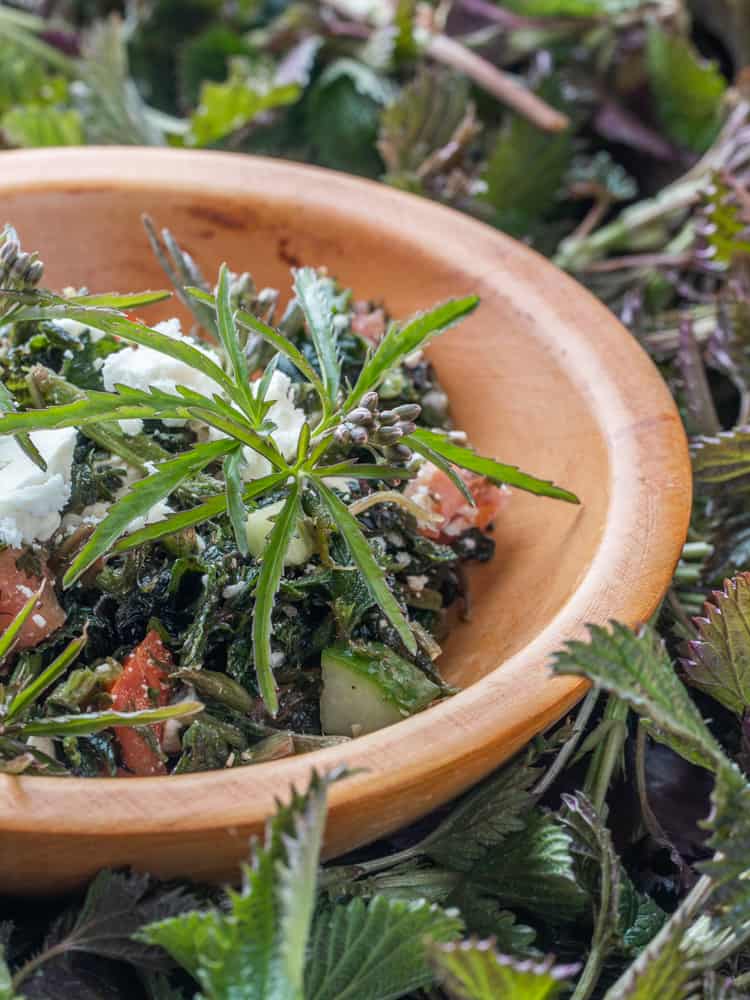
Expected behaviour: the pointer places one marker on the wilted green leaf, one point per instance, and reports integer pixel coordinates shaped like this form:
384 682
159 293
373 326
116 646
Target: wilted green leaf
687 90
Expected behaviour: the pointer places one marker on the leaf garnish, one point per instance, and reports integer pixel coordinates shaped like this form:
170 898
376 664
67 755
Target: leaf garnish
31 693
8 405
316 296
495 471
372 574
88 723
401 341
235 503
142 497
232 347
265 594
11 633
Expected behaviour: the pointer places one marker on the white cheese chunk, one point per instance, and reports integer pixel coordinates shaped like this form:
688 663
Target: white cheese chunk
144 368
288 419
31 499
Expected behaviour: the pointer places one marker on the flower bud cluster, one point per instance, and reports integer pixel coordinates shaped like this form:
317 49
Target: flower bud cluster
368 424
18 270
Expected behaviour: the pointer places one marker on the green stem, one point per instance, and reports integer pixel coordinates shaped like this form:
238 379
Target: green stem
569 747
607 755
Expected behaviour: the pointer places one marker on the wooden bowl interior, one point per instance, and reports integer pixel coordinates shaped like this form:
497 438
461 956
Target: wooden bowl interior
508 390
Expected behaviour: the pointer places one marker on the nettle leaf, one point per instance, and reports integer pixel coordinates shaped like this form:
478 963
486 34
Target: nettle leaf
374 577
272 567
376 951
484 818
533 870
474 970
719 659
688 91
256 947
661 970
316 295
729 868
343 113
521 197
225 108
401 341
638 670
139 500
723 225
496 471
723 459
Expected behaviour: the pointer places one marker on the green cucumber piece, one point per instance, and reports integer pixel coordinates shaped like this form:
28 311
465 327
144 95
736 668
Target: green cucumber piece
259 525
367 689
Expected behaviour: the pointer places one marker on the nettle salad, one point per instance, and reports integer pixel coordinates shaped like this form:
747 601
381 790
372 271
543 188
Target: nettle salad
230 544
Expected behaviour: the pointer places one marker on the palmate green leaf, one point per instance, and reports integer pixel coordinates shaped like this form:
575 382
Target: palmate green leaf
473 970
141 498
363 558
496 471
8 405
532 870
94 408
638 670
30 694
376 951
235 503
723 460
688 91
718 660
211 508
254 949
401 341
115 300
316 295
484 818
87 723
282 344
445 467
11 633
265 594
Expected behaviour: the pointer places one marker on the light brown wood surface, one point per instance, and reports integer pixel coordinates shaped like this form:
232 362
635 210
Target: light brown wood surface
542 375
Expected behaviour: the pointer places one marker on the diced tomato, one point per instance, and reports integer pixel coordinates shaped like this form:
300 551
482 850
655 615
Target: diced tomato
433 490
143 683
368 323
16 587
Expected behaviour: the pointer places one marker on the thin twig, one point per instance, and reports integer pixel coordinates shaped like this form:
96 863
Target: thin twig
495 81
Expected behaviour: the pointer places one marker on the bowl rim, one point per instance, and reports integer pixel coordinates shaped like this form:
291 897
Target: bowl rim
650 488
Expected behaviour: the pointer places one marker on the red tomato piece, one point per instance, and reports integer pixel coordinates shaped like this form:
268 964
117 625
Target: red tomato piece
368 323
16 587
433 490
143 683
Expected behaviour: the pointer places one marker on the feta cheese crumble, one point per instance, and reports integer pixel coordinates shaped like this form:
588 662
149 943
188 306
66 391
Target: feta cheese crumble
31 499
144 368
288 419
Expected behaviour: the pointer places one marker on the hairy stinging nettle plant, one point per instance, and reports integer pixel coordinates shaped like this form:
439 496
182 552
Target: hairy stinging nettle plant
345 435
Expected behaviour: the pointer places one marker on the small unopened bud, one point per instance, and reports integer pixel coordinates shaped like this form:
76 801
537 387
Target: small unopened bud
399 454
388 418
342 434
390 435
371 400
21 266
408 412
35 273
8 253
361 415
359 435
407 427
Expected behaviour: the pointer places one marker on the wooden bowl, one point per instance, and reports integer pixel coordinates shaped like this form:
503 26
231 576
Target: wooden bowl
542 375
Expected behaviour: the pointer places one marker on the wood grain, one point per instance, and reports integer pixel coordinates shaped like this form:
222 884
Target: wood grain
542 375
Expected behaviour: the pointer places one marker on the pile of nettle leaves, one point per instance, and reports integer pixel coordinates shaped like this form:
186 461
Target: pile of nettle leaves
631 171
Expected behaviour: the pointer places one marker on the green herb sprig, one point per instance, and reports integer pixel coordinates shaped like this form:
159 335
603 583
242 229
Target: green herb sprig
240 414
